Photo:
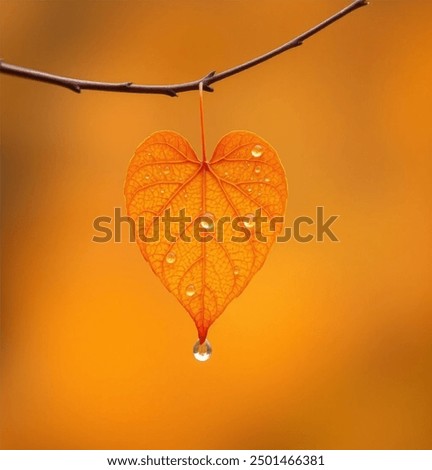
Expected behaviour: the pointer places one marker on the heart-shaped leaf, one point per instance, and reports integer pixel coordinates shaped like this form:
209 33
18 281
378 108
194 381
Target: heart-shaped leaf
210 257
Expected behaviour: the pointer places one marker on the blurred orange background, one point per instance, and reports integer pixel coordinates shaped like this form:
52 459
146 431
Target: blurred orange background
330 345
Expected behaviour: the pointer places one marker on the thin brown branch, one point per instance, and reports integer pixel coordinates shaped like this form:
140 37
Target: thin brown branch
172 90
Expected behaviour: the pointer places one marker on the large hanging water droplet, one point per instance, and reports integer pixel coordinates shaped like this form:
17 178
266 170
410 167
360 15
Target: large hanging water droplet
190 290
170 257
257 151
202 352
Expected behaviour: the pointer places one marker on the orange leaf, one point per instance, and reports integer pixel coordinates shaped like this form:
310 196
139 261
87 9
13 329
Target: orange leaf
244 174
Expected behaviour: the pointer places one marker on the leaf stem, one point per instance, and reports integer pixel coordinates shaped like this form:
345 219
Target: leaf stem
201 102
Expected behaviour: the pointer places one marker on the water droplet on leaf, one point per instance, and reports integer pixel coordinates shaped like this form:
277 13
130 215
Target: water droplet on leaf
206 224
170 257
249 223
190 290
257 169
257 151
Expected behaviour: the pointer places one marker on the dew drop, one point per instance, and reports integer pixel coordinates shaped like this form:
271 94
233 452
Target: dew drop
166 170
162 191
236 271
249 190
147 177
267 179
257 151
257 169
249 223
190 290
205 224
170 257
226 173
202 352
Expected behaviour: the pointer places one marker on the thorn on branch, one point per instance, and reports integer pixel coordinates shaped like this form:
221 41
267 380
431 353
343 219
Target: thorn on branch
171 92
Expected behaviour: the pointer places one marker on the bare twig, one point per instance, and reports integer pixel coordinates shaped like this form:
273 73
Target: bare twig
172 90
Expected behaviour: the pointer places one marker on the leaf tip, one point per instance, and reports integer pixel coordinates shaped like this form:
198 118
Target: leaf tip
202 333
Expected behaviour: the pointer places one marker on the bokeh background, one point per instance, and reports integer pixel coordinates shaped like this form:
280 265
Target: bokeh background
330 346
